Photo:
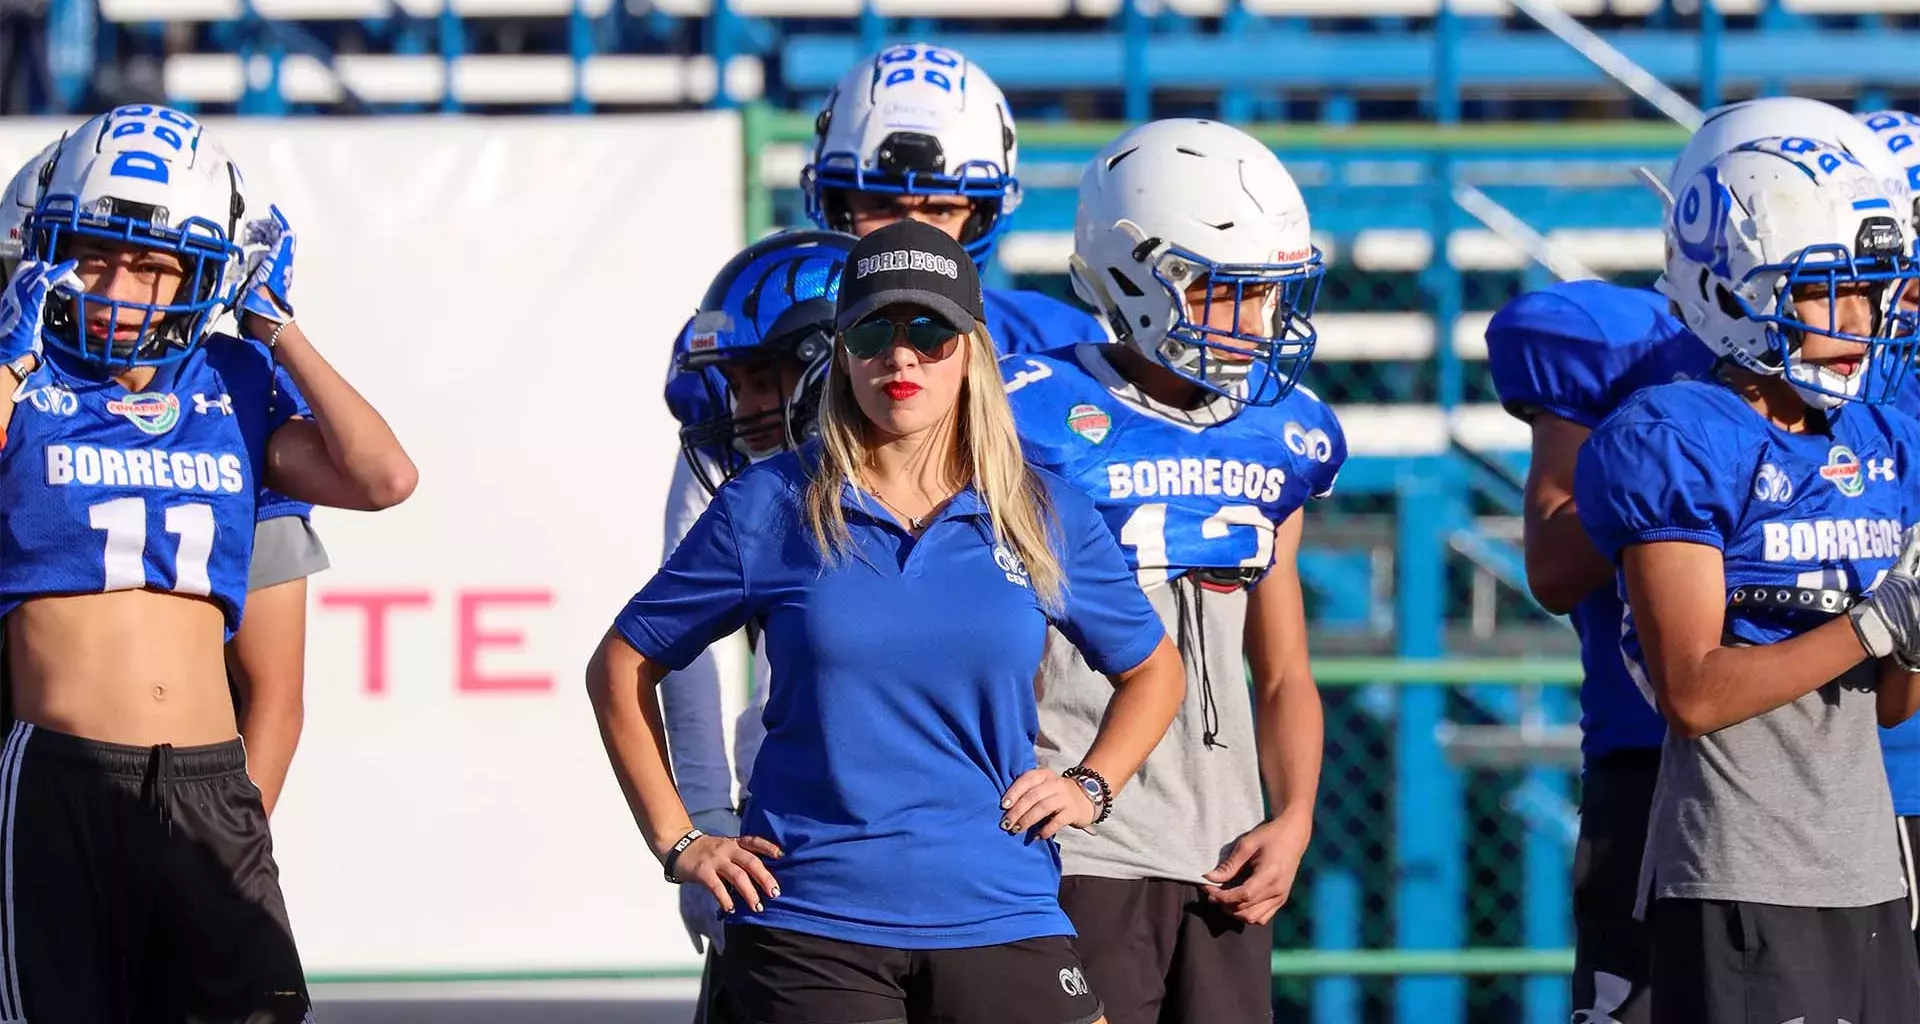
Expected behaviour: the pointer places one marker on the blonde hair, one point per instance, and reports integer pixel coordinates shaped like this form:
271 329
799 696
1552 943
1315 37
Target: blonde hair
1018 505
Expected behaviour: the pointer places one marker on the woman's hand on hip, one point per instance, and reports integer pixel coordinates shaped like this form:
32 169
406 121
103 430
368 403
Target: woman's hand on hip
1047 802
730 865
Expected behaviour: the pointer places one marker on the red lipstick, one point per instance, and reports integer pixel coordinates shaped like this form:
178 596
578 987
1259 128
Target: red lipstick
900 390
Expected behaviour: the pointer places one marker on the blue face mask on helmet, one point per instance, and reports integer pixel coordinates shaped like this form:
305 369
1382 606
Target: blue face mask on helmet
166 332
771 303
1218 354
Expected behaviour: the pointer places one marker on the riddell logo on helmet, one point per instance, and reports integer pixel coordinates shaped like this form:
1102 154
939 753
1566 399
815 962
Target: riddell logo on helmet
1294 256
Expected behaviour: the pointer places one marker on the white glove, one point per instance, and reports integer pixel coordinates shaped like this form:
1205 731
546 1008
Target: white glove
1888 623
699 910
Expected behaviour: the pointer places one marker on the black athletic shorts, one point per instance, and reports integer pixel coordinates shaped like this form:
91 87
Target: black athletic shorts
1160 951
139 886
787 977
1720 962
1610 948
716 1004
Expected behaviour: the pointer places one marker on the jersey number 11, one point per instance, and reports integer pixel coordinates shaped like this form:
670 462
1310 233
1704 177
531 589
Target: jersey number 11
125 523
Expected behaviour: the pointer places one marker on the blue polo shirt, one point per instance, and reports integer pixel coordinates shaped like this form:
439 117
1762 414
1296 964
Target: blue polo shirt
901 705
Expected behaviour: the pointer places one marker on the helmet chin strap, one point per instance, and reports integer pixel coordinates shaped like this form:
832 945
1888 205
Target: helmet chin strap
1820 387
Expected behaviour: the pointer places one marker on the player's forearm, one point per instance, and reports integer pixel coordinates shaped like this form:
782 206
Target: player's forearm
620 685
690 706
1144 703
360 444
270 728
1289 731
1897 693
1728 685
1563 566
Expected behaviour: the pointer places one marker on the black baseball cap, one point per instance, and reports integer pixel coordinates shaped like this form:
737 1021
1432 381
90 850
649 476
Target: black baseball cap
913 264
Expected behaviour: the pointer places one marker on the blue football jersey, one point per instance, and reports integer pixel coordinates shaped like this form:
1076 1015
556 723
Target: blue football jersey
1577 350
103 490
1900 745
1023 321
1693 462
1181 489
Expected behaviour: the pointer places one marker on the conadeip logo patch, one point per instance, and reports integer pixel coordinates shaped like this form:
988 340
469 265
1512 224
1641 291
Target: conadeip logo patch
153 414
1090 422
1843 471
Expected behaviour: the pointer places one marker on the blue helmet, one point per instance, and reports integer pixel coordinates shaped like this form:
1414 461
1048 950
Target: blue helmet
915 120
147 176
773 300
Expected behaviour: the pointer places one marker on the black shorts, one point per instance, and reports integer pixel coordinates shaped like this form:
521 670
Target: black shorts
1909 833
1610 948
140 886
787 977
1158 950
1720 962
715 1004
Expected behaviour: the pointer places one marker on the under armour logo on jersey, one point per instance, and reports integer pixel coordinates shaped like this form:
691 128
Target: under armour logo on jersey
1314 444
1880 469
1011 565
202 404
51 399
1074 983
1773 485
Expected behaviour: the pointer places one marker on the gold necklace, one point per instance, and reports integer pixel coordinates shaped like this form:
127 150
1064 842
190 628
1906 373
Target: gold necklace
913 522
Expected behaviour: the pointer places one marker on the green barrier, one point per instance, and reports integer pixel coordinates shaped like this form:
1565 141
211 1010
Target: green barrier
762 126
1290 964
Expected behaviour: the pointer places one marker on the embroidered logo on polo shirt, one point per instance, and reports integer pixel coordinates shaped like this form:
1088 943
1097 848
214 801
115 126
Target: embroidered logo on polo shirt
1011 565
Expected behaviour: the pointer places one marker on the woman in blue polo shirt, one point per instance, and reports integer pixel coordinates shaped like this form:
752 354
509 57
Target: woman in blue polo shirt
896 862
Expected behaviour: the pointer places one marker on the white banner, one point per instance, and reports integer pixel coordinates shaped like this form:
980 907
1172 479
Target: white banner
505 291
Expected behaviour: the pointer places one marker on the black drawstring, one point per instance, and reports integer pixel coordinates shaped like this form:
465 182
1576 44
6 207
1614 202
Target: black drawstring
162 792
1209 709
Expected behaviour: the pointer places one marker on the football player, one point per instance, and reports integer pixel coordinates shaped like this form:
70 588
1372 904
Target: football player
756 350
1773 610
266 660
1562 359
139 873
920 132
1201 450
1900 746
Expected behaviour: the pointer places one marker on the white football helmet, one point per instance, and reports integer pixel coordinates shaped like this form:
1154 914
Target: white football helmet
1774 214
18 201
1183 201
1899 132
1726 128
148 176
915 119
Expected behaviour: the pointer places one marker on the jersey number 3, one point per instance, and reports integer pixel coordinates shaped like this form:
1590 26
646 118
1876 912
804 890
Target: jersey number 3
124 521
1146 533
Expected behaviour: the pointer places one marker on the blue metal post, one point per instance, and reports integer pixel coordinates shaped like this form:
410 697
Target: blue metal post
1446 65
1442 282
722 43
1336 925
580 43
1429 819
453 44
1137 92
1548 908
1713 30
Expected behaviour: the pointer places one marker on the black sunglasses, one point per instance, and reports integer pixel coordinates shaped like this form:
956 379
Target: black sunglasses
928 335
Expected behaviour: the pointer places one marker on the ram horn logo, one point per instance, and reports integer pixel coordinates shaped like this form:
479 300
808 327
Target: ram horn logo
1773 485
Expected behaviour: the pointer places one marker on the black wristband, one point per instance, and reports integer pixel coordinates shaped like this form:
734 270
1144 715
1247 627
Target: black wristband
1081 771
674 854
